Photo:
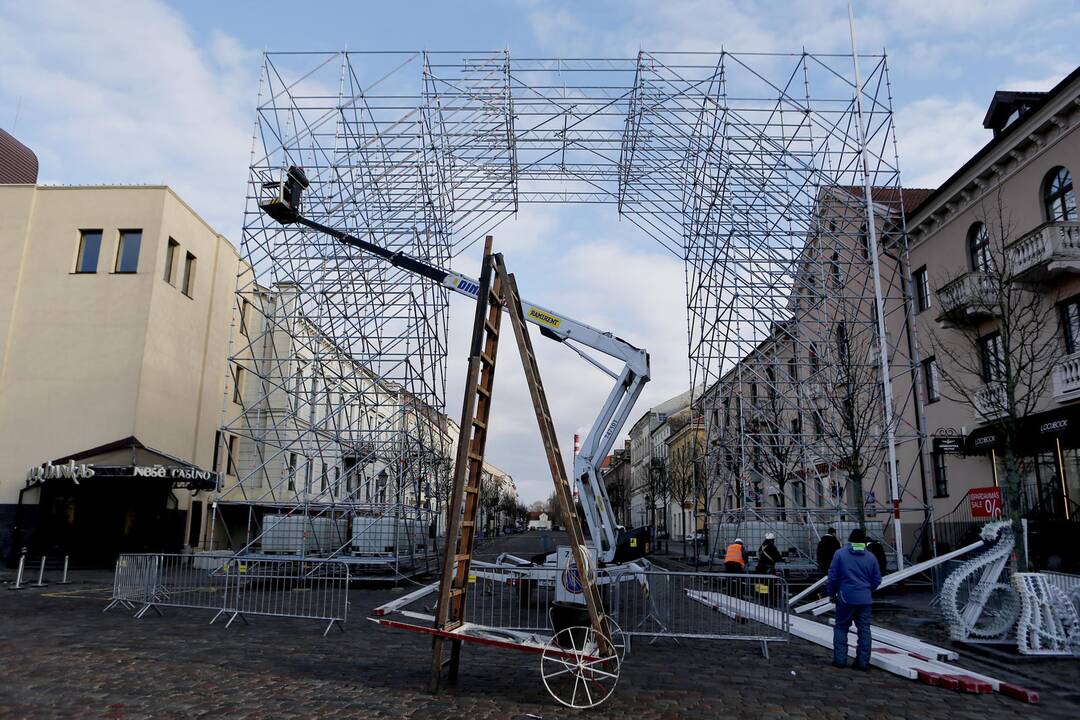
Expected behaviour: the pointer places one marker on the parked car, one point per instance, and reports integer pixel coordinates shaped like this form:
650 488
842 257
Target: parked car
696 536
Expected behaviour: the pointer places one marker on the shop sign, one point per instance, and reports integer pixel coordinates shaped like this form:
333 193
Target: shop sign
985 502
1054 426
174 473
48 471
949 445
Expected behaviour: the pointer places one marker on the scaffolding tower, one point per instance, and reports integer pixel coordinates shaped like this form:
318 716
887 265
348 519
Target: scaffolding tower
752 169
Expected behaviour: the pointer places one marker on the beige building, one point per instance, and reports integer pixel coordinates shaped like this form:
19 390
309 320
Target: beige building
115 312
1001 237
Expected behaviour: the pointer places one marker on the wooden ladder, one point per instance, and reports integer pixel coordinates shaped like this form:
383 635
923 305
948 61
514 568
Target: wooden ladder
551 448
468 469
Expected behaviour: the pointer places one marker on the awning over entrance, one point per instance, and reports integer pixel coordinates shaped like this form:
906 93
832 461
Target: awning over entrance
127 458
1037 432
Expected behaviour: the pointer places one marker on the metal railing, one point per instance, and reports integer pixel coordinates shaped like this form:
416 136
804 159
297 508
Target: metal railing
235 587
643 603
307 589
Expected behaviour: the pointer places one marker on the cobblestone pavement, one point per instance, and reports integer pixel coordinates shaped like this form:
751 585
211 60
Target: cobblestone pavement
61 657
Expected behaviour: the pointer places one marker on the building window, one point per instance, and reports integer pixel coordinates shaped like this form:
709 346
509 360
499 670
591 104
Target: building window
798 493
992 355
188 285
979 248
170 260
1058 197
230 464
238 385
127 253
836 273
793 369
89 249
931 379
864 240
815 360
292 471
245 306
941 478
1070 324
922 289
842 346
350 463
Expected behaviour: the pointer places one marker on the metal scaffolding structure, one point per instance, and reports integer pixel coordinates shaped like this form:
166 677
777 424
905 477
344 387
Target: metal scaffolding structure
747 167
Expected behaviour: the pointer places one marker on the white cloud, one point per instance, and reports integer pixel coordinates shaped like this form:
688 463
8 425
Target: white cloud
614 285
936 137
123 92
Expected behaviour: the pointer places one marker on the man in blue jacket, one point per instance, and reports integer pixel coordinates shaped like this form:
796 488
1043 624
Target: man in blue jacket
853 575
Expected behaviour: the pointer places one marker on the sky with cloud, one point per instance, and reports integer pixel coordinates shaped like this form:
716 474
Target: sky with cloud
143 91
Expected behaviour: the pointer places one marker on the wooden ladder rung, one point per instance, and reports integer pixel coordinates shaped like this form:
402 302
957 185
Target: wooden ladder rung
479 423
486 359
481 390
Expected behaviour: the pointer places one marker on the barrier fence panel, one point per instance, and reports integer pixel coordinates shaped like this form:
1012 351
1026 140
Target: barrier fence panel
651 604
307 589
237 587
683 605
187 581
133 580
511 598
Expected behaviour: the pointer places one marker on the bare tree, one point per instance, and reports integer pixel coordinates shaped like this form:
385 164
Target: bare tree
682 471
848 419
776 453
996 350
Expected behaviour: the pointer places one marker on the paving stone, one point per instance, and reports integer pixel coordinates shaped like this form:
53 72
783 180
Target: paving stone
60 657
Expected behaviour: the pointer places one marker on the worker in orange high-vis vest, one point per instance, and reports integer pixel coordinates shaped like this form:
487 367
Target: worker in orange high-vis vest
736 557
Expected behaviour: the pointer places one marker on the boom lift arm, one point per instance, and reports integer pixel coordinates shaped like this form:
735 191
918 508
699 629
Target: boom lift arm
284 206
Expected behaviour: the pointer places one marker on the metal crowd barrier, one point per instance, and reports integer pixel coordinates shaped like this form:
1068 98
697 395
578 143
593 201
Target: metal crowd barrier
133 579
643 603
308 589
232 586
683 605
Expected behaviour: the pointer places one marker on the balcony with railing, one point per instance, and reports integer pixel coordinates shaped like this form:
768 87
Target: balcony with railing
1048 250
969 298
991 402
1066 378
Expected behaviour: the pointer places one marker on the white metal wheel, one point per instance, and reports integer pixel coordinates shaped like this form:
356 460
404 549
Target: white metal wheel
574 670
618 639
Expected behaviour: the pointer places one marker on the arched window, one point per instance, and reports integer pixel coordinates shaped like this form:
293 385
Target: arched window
1058 197
979 248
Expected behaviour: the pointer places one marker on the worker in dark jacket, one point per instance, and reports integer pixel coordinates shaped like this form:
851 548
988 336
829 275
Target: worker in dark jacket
768 556
875 548
853 576
826 548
